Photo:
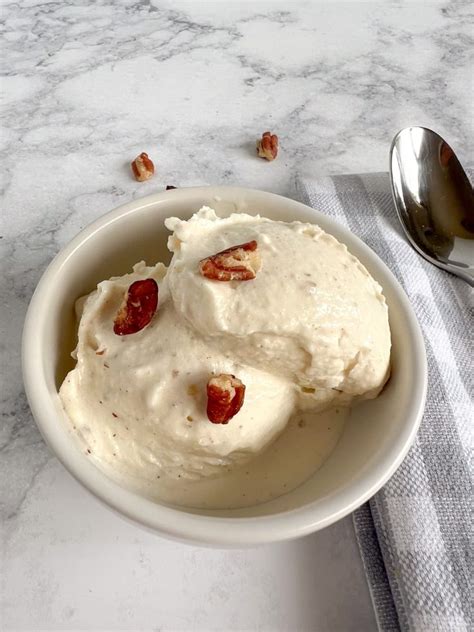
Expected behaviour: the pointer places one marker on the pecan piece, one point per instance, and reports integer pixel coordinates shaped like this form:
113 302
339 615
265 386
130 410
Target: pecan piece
142 167
138 309
239 263
225 396
267 146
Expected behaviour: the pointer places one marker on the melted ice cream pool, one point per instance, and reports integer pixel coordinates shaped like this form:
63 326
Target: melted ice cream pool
299 451
307 337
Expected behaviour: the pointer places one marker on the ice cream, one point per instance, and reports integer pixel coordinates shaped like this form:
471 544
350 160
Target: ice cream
309 330
313 314
139 400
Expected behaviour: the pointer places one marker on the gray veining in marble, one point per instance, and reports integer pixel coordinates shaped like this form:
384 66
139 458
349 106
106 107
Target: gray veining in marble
88 85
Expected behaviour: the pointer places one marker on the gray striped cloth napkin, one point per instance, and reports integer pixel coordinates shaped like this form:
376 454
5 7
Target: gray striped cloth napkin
415 534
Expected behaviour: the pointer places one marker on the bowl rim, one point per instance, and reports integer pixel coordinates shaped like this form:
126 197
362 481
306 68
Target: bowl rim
176 523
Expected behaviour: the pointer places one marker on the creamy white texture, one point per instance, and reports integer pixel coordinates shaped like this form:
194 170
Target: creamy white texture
295 455
139 401
309 332
313 314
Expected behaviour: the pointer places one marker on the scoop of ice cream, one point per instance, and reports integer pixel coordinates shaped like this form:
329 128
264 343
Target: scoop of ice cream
312 314
139 401
310 330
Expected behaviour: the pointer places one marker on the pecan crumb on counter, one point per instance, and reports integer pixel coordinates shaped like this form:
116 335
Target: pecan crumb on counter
143 167
267 146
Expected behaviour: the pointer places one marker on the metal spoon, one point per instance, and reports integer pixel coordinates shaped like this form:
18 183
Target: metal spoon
434 200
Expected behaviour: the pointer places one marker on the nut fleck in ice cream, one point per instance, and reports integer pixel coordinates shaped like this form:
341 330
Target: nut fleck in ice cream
198 383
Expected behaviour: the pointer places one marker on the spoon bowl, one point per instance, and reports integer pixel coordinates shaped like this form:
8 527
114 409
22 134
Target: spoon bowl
434 200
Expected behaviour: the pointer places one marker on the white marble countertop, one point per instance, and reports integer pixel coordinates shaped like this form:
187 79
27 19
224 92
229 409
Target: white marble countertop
88 86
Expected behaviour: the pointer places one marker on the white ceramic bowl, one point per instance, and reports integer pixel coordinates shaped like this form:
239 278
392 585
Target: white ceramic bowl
375 440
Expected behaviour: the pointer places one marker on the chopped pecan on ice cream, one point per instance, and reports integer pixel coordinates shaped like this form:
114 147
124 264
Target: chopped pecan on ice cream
138 308
225 396
239 263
